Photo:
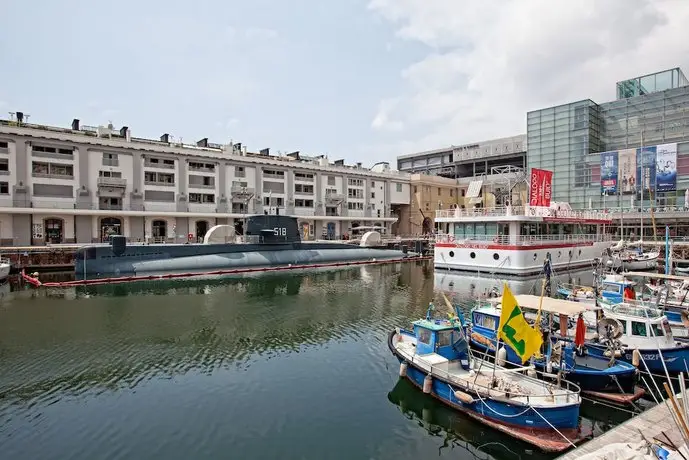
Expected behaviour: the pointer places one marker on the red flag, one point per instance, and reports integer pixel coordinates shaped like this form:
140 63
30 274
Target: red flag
580 335
541 187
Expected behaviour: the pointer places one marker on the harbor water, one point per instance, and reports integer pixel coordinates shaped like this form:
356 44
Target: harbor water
289 366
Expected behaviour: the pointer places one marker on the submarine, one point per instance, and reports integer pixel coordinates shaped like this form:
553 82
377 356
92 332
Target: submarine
269 241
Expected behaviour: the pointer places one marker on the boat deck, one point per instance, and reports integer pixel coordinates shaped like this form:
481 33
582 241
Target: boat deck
652 423
518 388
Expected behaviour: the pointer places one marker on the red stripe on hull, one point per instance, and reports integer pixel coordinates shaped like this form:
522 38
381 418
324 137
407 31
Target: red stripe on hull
515 247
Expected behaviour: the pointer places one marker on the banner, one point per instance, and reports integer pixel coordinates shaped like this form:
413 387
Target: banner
627 171
608 173
646 169
666 168
541 187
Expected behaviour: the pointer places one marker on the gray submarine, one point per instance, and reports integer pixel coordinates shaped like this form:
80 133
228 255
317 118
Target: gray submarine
269 241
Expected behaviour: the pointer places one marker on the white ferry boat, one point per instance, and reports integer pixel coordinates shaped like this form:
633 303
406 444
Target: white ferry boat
515 240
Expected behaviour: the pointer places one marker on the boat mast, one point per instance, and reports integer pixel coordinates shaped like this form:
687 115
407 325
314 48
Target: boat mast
641 186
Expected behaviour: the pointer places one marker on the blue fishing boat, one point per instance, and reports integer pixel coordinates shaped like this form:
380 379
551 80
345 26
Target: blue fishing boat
642 335
435 357
562 358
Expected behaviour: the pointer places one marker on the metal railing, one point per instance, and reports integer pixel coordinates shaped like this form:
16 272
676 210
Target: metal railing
112 182
504 211
523 240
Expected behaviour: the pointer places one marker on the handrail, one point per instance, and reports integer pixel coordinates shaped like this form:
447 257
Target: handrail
523 240
503 211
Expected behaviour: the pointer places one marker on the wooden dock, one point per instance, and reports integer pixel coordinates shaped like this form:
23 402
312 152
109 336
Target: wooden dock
652 423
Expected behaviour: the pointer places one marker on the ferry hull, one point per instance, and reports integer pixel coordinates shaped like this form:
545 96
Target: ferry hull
168 262
516 260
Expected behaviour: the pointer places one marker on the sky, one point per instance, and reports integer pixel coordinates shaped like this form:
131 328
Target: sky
363 80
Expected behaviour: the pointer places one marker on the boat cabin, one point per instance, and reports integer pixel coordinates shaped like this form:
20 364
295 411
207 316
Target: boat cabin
613 289
443 338
640 324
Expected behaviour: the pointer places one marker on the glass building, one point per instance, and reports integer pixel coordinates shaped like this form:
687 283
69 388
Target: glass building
568 139
659 81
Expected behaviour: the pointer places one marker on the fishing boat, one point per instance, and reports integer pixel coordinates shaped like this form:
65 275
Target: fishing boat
435 357
641 335
563 358
628 260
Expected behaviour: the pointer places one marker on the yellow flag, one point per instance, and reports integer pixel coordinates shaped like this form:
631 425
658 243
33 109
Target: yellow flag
515 331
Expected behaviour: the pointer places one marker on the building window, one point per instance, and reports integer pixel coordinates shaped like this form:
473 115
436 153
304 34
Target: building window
303 188
303 203
415 189
373 195
54 231
116 174
206 198
582 174
355 193
4 145
4 165
273 201
440 192
196 166
156 178
303 176
44 149
159 228
398 187
452 193
373 183
355 182
110 159
57 170
4 188
331 180
273 173
355 206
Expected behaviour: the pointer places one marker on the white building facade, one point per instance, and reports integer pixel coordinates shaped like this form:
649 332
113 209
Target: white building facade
81 185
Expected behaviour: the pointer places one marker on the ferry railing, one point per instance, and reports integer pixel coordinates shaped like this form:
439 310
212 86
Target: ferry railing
504 211
522 240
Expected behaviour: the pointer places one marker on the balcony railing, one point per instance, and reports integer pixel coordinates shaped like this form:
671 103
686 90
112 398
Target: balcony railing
53 176
201 169
111 162
158 165
204 186
522 240
163 184
241 191
334 198
112 182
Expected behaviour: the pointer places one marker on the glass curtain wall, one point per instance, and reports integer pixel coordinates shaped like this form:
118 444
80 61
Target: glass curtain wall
561 139
660 81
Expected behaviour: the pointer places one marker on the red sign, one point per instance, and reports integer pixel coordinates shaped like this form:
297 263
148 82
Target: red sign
541 187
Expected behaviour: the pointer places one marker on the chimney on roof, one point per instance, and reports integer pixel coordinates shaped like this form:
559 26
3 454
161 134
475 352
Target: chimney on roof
339 163
294 155
203 142
123 131
20 117
358 165
265 151
75 124
165 138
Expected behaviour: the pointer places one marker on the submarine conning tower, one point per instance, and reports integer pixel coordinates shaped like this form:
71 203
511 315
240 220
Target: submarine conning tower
273 228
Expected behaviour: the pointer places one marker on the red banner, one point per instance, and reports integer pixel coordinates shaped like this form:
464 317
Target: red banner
541 187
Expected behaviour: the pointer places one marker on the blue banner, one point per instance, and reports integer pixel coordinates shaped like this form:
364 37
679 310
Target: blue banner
666 168
646 169
608 173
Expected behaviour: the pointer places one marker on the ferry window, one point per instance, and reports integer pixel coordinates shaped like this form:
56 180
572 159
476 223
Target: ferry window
444 338
608 287
425 336
639 329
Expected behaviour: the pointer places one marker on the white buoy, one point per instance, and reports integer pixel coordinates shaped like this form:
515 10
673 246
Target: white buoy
464 397
636 357
427 384
549 367
403 369
531 372
502 356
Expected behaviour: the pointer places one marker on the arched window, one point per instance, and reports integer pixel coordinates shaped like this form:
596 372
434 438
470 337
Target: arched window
159 228
110 226
54 231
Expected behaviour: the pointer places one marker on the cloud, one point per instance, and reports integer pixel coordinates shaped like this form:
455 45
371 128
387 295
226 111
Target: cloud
260 34
488 63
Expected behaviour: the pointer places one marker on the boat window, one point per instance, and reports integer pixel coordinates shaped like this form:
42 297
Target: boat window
657 330
425 336
639 329
611 287
486 321
444 338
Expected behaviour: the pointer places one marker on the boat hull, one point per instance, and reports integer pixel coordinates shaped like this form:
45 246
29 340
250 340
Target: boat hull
676 359
518 421
4 271
608 381
171 258
515 260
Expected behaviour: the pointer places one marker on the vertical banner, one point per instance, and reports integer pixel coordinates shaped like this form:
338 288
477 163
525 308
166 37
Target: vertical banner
666 168
541 187
627 171
608 173
646 170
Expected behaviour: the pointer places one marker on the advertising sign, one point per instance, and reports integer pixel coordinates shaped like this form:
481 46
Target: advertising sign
627 171
541 187
666 168
646 169
608 173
